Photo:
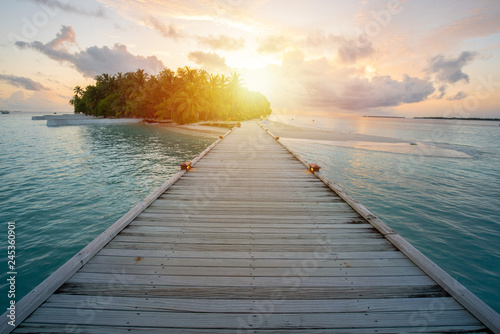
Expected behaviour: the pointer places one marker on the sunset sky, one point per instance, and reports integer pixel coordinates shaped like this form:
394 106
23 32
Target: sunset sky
316 57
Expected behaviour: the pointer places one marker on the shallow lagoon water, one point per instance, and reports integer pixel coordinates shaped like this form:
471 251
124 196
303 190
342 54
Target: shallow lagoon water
63 186
447 207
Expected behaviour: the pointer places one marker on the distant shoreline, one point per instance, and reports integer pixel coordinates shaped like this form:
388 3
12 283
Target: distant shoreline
461 118
385 116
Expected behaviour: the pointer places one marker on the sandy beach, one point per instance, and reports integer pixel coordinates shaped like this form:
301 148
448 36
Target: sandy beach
211 131
359 141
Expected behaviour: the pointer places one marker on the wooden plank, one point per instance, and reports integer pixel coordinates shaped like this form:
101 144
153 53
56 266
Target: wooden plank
254 263
249 240
227 197
259 177
249 228
249 213
228 321
285 192
146 231
58 328
335 227
232 183
282 281
221 215
319 254
248 306
201 270
115 289
257 248
160 225
256 182
264 205
192 221
284 220
208 149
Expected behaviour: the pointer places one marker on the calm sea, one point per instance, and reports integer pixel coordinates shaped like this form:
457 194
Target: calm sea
448 208
63 186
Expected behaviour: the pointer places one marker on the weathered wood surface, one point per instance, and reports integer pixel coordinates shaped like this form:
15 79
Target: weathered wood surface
250 241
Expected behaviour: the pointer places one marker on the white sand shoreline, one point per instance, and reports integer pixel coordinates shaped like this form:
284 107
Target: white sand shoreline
417 148
290 133
210 131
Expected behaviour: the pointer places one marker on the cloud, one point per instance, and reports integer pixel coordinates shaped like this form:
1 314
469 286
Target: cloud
273 44
318 85
322 41
450 69
13 101
238 14
169 31
383 91
210 61
65 36
46 49
222 42
458 96
65 7
22 82
349 50
95 60
442 92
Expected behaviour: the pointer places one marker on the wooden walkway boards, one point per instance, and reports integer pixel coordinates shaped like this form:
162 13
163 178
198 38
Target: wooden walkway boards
250 241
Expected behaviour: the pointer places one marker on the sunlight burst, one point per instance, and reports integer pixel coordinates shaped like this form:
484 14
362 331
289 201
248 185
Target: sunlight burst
260 81
370 71
245 60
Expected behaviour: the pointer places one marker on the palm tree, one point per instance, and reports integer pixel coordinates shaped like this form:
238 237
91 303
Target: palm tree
76 98
189 102
78 91
216 89
168 83
235 87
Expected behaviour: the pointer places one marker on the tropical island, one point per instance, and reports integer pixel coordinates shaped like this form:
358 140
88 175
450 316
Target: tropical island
185 96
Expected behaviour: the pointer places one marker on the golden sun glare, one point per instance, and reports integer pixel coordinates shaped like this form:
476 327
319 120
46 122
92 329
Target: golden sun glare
251 61
259 81
370 71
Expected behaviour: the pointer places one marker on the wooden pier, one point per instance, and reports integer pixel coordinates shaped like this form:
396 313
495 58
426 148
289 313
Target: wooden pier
249 240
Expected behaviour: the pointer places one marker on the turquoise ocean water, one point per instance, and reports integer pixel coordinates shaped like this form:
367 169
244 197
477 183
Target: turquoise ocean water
448 208
63 186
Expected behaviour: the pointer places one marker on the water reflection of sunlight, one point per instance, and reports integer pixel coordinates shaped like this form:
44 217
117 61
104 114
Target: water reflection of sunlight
357 161
415 149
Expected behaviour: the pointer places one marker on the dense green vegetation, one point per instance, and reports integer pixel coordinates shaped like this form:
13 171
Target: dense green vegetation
186 96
